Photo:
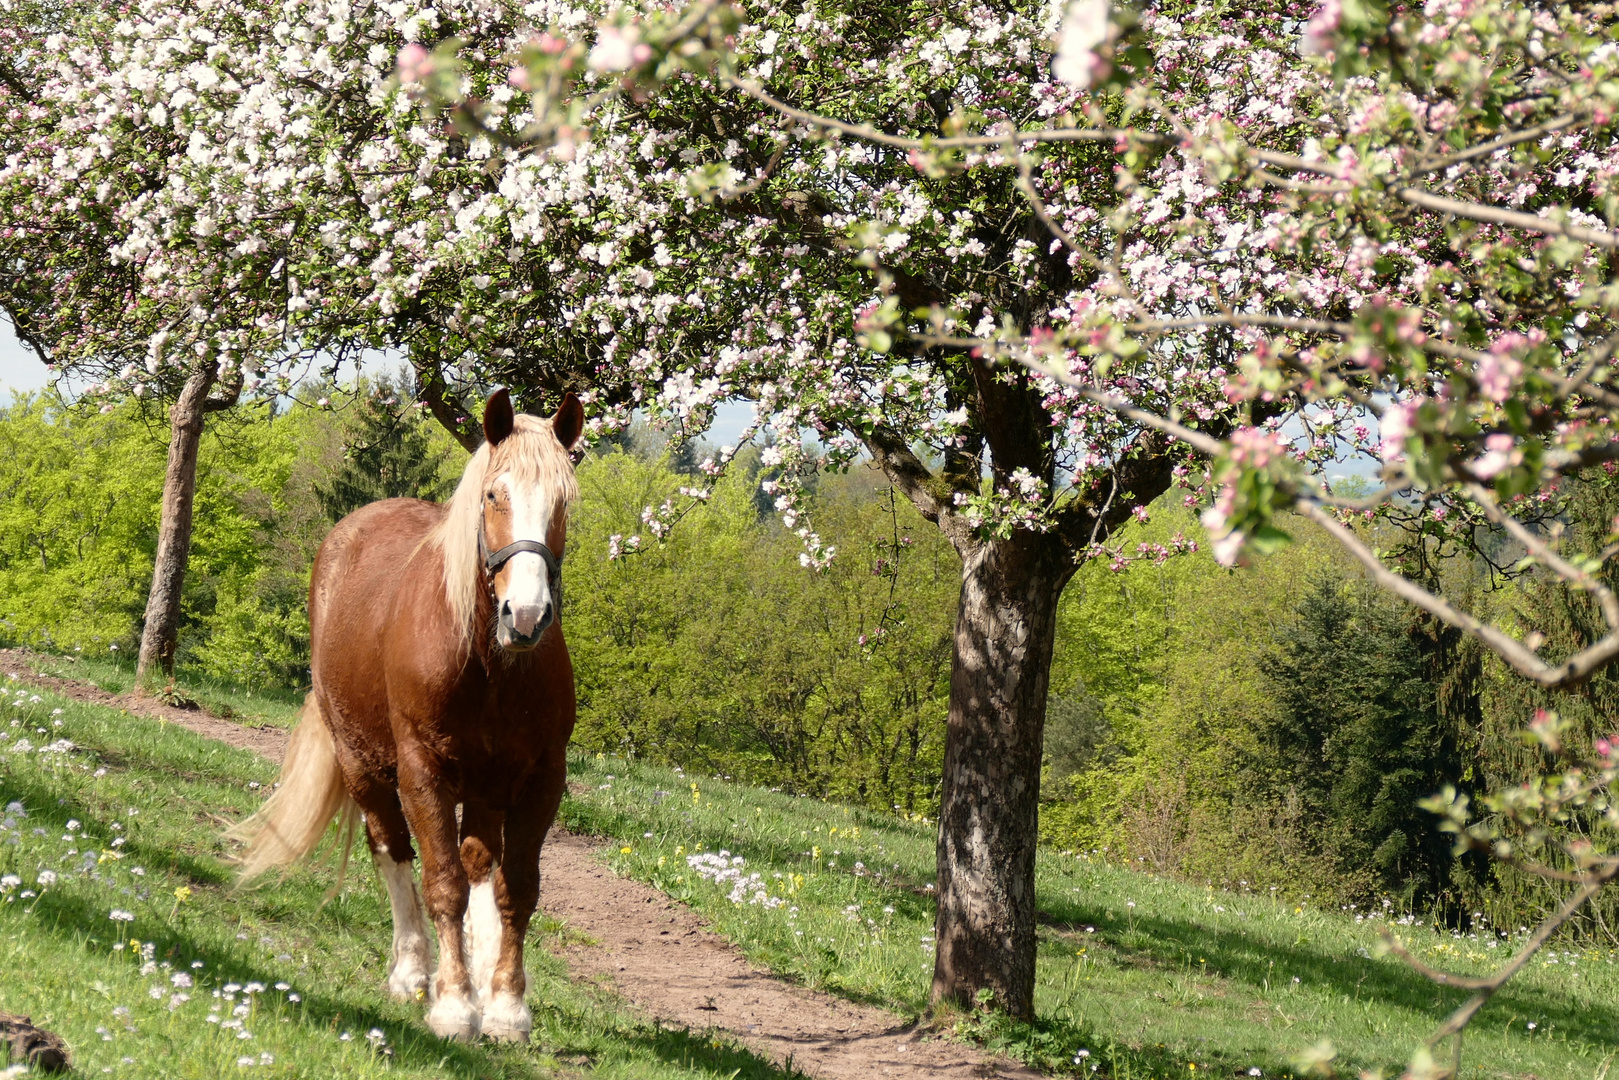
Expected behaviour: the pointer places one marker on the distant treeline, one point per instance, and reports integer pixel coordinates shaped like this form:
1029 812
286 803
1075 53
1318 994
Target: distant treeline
1266 727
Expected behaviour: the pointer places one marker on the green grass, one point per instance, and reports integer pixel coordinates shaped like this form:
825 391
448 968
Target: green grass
277 706
1150 976
129 816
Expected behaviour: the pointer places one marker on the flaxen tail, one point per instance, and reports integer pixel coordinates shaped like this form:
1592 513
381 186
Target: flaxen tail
292 820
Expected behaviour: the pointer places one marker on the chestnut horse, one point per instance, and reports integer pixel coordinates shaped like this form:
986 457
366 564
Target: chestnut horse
440 677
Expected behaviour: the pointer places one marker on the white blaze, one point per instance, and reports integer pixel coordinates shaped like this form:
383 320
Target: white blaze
528 582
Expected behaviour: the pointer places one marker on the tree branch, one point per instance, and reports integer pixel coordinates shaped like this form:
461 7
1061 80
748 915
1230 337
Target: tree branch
927 492
1515 219
451 415
1574 670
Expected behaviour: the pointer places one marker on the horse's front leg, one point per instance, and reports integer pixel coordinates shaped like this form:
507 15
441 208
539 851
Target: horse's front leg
517 894
431 813
481 852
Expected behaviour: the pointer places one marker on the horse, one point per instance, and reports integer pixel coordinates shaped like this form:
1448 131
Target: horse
441 680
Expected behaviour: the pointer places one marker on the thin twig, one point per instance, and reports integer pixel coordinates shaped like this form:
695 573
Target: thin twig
1543 551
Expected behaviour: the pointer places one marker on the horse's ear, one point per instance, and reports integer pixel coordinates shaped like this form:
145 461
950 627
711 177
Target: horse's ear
569 421
497 416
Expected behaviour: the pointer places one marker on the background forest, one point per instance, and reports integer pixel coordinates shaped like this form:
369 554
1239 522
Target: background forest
1265 728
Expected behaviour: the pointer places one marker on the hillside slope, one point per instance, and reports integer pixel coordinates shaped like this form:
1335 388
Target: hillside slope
1139 976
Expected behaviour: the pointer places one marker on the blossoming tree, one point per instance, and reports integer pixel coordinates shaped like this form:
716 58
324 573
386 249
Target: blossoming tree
1027 287
249 189
1409 219
1384 234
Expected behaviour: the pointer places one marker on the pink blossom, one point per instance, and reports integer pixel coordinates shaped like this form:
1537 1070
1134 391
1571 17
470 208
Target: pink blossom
1085 27
1397 425
1498 369
1255 447
1322 28
1496 457
415 63
1227 549
618 49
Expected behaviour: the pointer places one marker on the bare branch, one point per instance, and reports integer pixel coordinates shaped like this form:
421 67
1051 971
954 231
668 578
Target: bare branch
1574 670
925 491
1198 440
1543 551
955 142
1486 989
1516 219
1472 153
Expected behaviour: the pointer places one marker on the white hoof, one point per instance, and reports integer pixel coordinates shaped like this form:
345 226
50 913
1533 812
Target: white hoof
453 1017
507 1019
408 980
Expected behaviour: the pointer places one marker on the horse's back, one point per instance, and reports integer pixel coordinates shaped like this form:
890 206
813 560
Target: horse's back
358 568
353 599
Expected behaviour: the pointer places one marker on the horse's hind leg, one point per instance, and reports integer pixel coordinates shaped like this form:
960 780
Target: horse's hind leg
480 854
390 850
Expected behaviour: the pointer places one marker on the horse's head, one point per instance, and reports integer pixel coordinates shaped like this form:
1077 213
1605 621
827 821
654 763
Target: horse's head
526 488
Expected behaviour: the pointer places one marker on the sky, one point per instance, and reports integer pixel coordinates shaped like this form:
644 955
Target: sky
19 368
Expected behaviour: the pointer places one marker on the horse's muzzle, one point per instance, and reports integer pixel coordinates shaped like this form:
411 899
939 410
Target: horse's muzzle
520 629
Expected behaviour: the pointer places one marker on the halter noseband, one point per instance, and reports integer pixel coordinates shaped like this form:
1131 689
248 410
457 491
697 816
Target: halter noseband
494 560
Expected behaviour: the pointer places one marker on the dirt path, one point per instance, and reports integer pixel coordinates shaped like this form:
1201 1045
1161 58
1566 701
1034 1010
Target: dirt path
267 741
655 952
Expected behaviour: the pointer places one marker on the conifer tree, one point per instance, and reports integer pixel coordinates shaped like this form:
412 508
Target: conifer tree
1361 735
387 454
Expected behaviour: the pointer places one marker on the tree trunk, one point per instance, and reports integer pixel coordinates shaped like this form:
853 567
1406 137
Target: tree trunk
161 632
988 814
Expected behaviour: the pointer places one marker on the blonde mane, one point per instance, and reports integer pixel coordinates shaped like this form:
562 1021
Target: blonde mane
532 454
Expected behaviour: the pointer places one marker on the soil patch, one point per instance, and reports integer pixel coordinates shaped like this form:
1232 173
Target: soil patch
655 952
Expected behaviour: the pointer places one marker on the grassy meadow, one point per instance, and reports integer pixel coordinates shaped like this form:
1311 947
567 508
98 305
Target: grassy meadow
118 930
273 705
1140 977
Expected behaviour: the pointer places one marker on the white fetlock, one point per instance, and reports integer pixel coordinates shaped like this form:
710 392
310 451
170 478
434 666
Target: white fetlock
507 1018
409 978
454 1017
407 974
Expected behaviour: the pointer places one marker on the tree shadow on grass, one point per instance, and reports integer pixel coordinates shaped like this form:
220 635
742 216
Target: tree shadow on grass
79 923
48 808
1264 952
1251 959
72 920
